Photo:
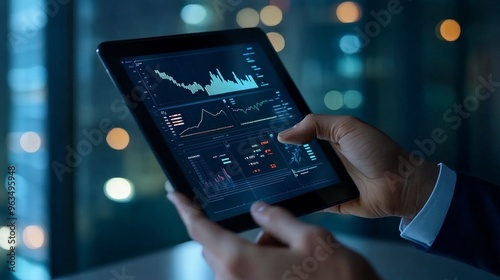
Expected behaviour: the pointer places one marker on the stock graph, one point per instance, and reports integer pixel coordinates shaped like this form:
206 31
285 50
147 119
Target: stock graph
218 84
210 117
211 169
255 108
178 79
202 119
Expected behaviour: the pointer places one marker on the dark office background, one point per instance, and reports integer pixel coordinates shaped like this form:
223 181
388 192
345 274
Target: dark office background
86 198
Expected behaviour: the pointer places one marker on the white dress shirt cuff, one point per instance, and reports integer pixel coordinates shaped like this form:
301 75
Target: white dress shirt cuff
424 228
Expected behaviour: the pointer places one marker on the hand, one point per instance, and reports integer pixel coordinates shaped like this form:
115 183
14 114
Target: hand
288 249
391 181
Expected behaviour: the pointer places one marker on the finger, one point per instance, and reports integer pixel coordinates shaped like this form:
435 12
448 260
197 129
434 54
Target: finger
169 187
207 233
266 239
324 127
279 223
346 207
217 264
211 259
343 209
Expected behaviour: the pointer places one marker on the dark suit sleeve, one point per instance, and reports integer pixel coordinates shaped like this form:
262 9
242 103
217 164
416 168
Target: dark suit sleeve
471 229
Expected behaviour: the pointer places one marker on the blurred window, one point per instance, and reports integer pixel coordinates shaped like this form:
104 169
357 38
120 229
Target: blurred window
24 133
410 68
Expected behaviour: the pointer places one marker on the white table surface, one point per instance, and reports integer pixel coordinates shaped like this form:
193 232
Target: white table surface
393 260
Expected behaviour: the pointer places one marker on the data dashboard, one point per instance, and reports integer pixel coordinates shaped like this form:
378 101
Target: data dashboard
220 110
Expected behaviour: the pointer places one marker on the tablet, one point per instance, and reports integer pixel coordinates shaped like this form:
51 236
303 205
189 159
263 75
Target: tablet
211 105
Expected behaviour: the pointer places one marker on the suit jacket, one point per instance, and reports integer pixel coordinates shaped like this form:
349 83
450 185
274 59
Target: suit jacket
471 229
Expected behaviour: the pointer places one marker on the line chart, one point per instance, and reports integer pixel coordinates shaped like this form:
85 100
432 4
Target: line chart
201 121
254 107
218 84
193 88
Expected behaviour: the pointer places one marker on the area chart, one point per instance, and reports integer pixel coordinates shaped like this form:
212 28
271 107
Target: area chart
218 84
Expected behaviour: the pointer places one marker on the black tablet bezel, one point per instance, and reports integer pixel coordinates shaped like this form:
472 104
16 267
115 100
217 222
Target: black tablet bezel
111 54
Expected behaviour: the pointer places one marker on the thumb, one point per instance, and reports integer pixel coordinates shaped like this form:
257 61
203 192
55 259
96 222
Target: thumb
278 222
324 127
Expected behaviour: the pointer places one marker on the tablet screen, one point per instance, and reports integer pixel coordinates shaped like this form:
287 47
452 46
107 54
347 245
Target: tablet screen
220 109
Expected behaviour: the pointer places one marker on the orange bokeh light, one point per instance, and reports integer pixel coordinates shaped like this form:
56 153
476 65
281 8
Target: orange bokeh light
348 12
449 30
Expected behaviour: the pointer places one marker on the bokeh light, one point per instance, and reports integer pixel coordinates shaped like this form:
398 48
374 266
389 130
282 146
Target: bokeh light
353 99
350 44
30 141
271 15
118 138
4 238
348 12
33 237
194 14
277 40
449 30
334 100
350 66
119 189
247 17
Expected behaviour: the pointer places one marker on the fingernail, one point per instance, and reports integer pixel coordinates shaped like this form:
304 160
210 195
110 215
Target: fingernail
287 130
168 187
259 207
171 197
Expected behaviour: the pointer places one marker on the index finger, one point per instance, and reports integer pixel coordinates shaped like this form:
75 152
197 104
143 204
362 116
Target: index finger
210 235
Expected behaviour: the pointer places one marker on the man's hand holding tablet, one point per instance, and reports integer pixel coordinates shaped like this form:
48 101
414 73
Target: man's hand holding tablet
213 107
290 249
